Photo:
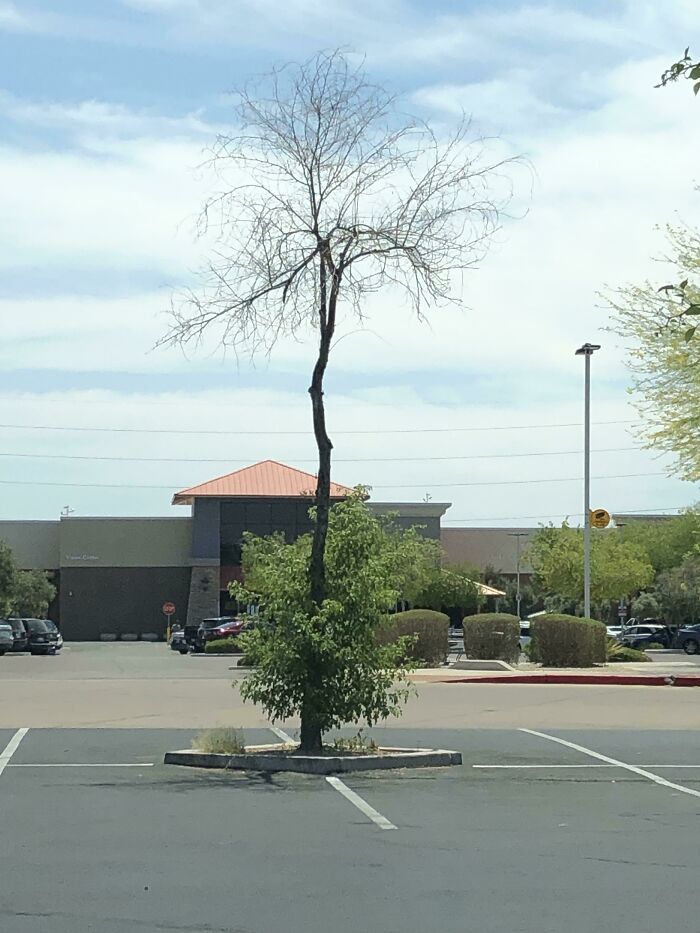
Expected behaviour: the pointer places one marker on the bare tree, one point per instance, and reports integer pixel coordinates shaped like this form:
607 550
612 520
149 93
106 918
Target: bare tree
329 194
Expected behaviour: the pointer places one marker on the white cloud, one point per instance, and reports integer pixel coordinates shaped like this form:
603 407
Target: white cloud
11 18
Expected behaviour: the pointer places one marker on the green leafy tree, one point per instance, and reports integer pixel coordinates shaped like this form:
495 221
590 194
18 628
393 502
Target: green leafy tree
32 594
618 568
450 588
646 606
668 541
8 574
324 663
678 593
658 328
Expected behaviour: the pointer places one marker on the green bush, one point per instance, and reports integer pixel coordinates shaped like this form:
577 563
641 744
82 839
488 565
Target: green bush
223 646
492 635
568 641
623 653
430 630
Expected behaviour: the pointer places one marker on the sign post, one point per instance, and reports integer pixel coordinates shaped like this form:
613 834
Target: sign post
168 610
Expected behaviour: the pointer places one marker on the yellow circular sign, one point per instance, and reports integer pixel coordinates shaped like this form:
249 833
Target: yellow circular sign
600 518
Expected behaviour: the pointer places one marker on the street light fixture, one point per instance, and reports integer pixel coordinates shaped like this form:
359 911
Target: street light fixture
587 351
517 535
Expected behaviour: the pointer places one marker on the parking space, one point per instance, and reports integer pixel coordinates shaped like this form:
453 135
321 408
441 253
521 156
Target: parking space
528 834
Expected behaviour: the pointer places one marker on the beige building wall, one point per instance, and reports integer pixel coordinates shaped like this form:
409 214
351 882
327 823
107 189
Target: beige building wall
125 542
35 545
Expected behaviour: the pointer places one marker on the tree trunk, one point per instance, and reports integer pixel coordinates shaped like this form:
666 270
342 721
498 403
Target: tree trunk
310 736
310 729
317 570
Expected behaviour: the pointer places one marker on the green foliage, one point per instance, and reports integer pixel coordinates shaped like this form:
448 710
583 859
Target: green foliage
646 606
223 646
686 68
567 641
664 365
26 593
618 567
325 663
449 588
224 741
492 635
678 593
617 653
32 593
8 573
655 646
424 634
666 541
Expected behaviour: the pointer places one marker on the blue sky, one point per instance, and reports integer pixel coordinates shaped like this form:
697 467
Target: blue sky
105 110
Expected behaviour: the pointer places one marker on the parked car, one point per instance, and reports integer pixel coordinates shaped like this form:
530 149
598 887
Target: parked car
7 640
40 637
19 634
638 636
221 627
54 628
688 638
177 641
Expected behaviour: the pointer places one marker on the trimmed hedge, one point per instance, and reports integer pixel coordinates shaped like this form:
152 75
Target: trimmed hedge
568 641
492 636
430 628
222 646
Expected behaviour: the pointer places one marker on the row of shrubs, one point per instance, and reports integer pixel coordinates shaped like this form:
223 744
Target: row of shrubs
557 640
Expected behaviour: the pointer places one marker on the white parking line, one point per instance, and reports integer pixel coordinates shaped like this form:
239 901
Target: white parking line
281 735
61 764
614 761
11 748
554 767
381 821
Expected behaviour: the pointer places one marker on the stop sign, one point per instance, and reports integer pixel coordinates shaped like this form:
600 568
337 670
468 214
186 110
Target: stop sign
168 608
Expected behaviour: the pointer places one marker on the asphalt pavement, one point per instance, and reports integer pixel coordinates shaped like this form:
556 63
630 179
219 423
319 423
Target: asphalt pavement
529 834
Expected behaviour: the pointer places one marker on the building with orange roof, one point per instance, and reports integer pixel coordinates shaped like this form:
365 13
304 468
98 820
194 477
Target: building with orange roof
114 575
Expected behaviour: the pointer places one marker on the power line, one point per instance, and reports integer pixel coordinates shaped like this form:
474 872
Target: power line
521 518
508 456
240 433
514 482
517 482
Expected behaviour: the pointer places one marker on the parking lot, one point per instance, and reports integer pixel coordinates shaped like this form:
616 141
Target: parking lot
581 827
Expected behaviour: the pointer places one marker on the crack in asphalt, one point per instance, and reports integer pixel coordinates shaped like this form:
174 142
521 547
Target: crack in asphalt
198 927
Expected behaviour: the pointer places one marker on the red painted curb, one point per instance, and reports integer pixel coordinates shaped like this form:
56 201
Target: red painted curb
635 680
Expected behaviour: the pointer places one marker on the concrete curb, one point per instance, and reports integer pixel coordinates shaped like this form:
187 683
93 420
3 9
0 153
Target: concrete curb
312 764
633 680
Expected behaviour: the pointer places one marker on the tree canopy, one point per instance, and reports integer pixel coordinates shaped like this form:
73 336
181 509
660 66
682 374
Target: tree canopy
662 356
678 592
667 541
25 593
325 662
618 568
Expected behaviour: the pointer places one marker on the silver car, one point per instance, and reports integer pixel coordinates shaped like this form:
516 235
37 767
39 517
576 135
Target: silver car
7 638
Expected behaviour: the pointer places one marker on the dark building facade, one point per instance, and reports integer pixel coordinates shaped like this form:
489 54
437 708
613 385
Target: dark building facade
115 574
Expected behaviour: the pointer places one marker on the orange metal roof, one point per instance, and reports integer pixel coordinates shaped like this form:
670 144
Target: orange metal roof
264 480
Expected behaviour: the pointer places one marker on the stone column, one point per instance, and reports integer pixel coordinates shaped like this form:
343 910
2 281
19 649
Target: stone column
203 602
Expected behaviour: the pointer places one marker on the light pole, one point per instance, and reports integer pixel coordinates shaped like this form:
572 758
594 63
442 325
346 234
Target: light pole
517 535
587 351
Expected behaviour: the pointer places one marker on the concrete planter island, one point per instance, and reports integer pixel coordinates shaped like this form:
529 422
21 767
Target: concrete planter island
283 758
